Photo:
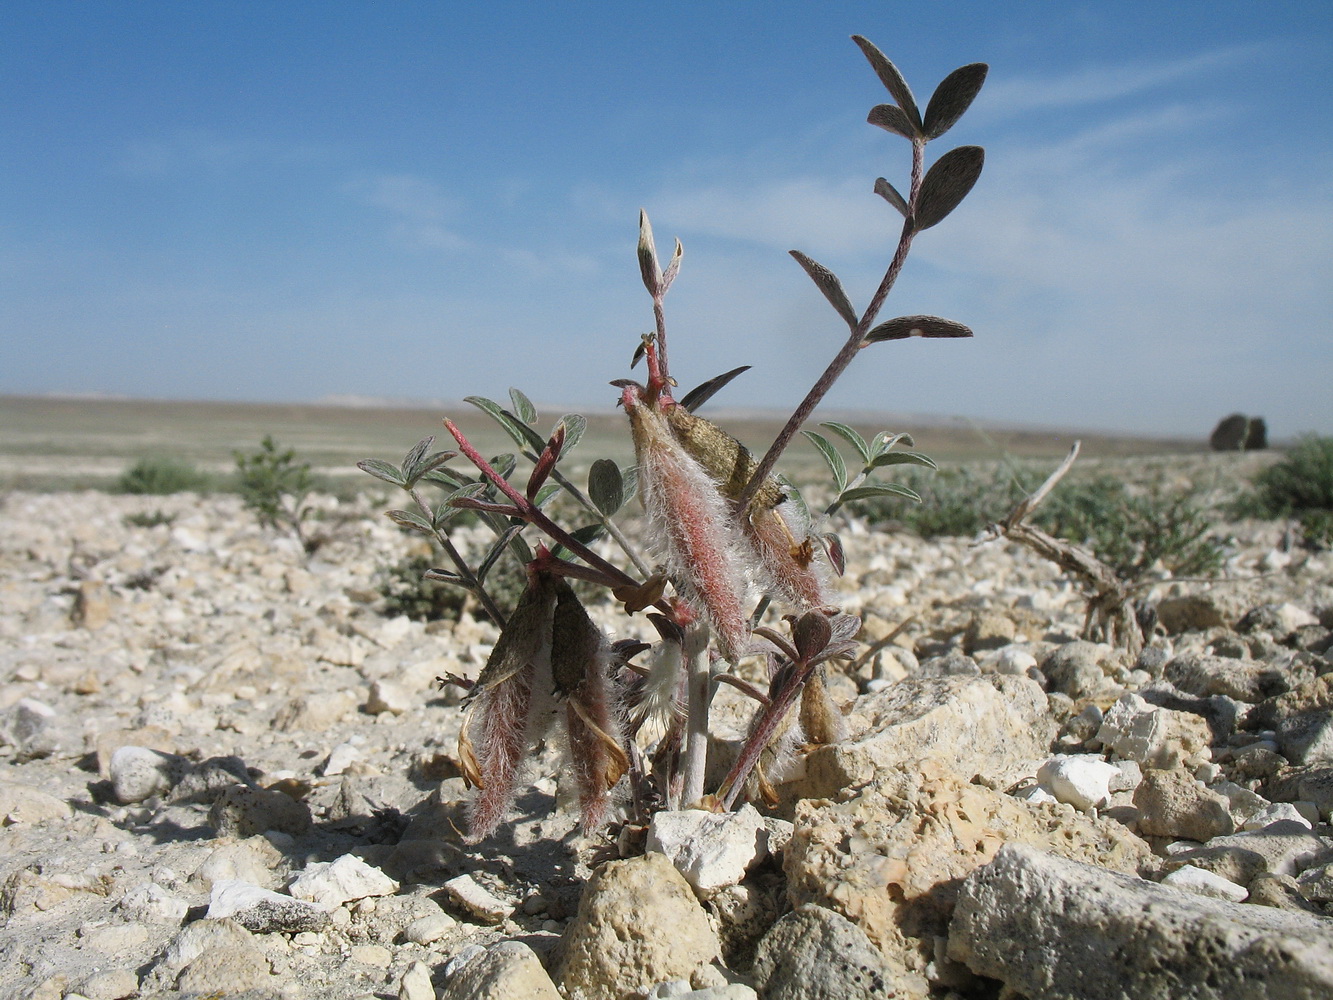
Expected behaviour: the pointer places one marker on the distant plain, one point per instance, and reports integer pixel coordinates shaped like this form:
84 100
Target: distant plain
62 443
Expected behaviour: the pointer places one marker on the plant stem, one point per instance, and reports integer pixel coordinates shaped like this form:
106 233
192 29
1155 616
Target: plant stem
470 580
849 350
534 515
699 693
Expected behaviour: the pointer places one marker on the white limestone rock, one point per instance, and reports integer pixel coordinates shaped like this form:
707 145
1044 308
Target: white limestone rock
711 850
330 884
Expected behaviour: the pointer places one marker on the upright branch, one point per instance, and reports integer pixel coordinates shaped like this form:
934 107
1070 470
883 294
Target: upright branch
931 196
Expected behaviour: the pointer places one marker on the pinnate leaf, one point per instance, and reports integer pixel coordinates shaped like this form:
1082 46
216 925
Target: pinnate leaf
903 327
952 97
411 519
947 183
523 435
574 424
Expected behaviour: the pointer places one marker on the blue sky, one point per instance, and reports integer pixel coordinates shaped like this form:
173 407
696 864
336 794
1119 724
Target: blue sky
294 201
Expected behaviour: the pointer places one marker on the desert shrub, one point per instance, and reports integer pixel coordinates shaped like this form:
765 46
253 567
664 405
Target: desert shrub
1300 486
1133 531
1130 530
406 590
161 476
274 485
149 519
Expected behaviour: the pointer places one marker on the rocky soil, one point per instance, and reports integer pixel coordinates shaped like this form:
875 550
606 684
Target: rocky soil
225 772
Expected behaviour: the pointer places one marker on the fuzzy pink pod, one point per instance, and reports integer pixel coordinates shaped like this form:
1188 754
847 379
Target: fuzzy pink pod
693 521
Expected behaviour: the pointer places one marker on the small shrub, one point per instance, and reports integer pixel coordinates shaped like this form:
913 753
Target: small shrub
275 486
1299 486
149 519
1133 532
408 591
957 502
161 476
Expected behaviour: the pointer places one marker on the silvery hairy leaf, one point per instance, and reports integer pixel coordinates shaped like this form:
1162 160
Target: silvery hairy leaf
648 266
523 435
381 470
830 285
523 406
952 97
831 457
890 194
903 327
606 487
891 118
893 80
947 183
851 436
702 393
903 458
412 520
880 490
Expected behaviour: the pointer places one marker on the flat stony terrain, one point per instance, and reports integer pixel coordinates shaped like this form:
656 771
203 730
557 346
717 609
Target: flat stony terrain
224 771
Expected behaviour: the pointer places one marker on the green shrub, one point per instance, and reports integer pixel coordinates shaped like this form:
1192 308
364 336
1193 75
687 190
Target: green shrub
1301 486
149 519
407 591
275 486
160 476
1130 531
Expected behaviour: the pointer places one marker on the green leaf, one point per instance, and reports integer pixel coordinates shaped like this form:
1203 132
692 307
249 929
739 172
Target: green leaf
672 268
903 458
947 183
831 287
410 519
850 435
445 477
878 490
831 457
889 76
585 535
496 550
952 97
523 406
416 455
606 486
506 463
892 119
890 194
701 394
381 470
575 425
883 442
903 327
546 492
648 266
523 435
630 476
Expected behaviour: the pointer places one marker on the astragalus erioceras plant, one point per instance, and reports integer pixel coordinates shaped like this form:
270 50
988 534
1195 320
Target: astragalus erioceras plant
731 546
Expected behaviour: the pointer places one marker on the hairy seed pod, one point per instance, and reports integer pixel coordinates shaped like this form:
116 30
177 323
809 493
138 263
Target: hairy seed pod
581 664
780 544
693 519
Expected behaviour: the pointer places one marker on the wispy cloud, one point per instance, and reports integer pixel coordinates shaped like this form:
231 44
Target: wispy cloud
419 210
1012 95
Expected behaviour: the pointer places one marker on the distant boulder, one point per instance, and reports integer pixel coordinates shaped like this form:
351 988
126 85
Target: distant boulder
1239 433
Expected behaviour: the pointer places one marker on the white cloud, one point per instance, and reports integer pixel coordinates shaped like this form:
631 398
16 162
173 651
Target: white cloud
419 210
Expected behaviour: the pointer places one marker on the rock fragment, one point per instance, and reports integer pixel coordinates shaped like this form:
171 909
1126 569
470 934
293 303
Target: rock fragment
263 911
1031 920
332 883
477 900
638 923
509 970
814 953
711 850
1174 804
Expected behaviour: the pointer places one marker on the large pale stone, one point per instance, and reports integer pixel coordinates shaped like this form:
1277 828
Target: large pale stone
992 725
638 923
891 857
509 970
711 850
1047 927
330 884
1174 804
1153 736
